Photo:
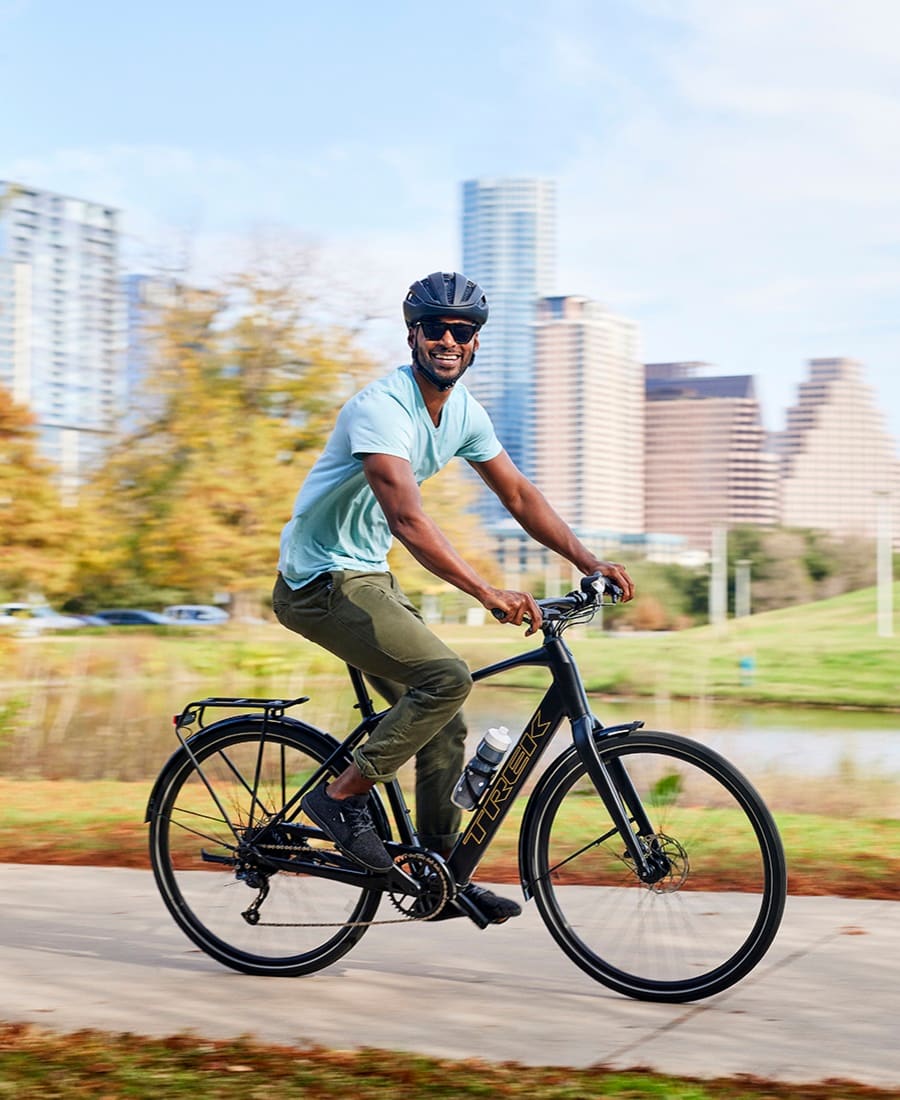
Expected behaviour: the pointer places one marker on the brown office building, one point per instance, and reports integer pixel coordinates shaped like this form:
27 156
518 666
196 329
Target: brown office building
705 457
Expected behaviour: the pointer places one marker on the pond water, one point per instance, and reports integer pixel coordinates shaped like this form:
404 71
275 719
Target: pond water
841 760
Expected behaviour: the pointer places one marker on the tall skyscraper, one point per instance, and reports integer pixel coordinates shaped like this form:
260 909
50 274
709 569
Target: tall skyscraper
508 246
837 458
706 460
588 427
60 321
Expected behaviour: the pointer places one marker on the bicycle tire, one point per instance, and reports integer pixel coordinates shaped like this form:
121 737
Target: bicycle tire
252 767
708 922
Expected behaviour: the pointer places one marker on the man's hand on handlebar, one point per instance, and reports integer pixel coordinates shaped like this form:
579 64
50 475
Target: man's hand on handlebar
514 608
618 574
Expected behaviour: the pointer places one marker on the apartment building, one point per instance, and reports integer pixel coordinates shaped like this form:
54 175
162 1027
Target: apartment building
706 463
61 322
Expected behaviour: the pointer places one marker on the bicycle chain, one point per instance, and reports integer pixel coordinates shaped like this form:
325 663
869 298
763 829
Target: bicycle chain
409 918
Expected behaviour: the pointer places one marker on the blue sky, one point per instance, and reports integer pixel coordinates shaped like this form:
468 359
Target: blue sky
728 175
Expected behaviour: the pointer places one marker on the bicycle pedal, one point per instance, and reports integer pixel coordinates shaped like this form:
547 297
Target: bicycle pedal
471 910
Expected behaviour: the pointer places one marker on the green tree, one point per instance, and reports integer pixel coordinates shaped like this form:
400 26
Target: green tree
242 388
35 530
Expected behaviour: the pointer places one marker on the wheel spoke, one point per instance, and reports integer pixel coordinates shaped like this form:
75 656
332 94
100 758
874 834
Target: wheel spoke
206 862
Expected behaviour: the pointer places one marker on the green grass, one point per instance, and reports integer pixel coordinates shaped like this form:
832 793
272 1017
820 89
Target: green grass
36 1064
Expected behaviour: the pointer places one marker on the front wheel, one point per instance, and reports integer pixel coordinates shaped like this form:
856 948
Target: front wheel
208 804
720 892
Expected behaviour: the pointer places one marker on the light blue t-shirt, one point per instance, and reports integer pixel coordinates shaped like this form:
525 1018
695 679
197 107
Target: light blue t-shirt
337 522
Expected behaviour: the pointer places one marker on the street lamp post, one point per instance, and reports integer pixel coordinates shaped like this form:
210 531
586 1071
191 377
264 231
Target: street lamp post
885 566
718 577
741 588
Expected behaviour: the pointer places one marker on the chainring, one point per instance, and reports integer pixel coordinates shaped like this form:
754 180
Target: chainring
437 885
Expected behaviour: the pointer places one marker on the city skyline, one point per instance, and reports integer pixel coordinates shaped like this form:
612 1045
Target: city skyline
558 360
724 177
130 282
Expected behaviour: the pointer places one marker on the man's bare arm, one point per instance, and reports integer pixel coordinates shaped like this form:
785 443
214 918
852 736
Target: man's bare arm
394 485
531 509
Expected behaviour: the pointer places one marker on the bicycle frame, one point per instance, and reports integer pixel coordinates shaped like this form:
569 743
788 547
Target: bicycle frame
564 698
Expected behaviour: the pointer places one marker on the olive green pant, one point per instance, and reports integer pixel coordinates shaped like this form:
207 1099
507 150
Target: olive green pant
367 621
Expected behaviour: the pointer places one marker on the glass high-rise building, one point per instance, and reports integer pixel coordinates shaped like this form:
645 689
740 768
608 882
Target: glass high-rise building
60 321
508 246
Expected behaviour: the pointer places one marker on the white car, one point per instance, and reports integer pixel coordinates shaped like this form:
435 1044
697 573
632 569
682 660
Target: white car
34 617
190 613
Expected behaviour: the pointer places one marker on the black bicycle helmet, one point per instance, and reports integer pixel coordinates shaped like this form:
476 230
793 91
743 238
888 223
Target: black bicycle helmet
445 294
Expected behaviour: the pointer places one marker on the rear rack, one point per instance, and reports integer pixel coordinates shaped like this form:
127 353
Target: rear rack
272 708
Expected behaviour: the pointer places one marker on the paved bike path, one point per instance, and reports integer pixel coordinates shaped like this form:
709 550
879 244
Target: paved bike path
87 947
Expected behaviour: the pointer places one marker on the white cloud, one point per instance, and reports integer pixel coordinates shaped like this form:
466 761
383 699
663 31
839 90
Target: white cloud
751 214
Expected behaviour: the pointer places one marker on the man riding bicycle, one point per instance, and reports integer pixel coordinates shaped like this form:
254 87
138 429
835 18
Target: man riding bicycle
335 589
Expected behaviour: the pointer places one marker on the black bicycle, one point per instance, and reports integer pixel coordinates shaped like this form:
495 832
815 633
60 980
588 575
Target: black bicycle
653 862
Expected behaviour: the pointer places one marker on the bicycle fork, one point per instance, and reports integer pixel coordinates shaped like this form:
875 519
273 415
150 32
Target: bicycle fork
622 802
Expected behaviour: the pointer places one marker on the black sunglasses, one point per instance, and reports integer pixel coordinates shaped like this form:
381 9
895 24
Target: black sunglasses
461 331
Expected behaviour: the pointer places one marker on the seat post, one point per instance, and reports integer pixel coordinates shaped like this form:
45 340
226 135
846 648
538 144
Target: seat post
364 702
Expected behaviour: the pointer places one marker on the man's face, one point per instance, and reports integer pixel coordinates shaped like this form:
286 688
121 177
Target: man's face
445 357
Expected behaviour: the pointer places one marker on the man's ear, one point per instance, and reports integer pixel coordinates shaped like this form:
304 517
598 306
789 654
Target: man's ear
411 336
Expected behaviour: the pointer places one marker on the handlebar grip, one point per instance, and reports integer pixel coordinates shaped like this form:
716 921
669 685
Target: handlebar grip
501 617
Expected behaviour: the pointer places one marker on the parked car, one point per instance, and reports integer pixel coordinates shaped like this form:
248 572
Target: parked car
35 617
189 613
133 616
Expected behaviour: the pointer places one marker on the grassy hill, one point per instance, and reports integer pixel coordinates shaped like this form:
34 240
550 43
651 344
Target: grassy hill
826 653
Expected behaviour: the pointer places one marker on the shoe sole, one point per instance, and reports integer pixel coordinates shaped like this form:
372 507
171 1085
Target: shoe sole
383 870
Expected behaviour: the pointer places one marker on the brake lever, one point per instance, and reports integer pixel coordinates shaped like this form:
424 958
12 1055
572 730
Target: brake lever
613 591
603 586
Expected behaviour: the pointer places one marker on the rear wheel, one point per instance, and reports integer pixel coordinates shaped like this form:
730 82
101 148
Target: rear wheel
718 902
247 916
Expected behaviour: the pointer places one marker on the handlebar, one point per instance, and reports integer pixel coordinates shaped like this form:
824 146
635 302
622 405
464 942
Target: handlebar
558 609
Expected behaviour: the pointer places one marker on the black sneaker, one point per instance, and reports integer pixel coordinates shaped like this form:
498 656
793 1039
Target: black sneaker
349 824
495 909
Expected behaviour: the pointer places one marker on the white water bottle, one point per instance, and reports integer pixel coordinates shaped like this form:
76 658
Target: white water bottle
480 769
